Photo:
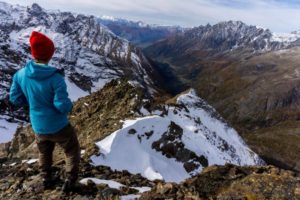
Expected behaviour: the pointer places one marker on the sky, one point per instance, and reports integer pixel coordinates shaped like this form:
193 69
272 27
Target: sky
276 15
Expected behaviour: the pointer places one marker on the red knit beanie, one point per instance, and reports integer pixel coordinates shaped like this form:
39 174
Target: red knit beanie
42 47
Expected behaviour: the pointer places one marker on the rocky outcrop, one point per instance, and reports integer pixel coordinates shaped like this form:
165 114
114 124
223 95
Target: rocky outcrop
21 181
171 145
232 182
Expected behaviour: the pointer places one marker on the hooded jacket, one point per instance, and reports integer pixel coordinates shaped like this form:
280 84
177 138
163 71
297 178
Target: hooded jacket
44 89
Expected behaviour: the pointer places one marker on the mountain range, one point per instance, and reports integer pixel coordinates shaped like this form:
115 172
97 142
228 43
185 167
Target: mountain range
158 104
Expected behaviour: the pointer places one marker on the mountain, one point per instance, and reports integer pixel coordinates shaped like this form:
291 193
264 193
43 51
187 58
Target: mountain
136 140
90 54
138 32
225 38
250 75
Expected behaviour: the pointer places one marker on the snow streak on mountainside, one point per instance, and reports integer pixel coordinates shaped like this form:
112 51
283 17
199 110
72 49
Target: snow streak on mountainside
174 142
90 53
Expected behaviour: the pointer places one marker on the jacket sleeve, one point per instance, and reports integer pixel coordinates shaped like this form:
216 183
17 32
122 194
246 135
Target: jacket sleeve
16 95
61 100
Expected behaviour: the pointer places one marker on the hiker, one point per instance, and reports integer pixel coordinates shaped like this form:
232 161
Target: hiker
44 89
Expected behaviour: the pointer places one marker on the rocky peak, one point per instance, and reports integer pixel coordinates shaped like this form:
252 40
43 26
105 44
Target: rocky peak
36 10
232 35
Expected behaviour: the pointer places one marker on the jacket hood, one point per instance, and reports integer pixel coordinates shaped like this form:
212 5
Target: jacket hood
37 71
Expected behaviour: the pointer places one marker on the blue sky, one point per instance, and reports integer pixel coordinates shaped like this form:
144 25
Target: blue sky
277 15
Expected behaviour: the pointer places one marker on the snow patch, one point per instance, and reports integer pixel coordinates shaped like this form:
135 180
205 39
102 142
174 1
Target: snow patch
31 161
115 185
130 197
285 37
110 183
7 129
74 91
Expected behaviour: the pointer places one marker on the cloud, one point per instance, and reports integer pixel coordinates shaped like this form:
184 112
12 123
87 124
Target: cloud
277 15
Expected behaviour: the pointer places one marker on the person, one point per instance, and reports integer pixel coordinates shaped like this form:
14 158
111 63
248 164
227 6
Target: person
43 88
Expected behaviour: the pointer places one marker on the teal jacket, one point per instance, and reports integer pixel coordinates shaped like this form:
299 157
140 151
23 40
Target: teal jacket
44 89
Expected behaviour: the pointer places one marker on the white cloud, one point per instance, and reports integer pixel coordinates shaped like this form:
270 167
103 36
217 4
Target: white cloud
279 16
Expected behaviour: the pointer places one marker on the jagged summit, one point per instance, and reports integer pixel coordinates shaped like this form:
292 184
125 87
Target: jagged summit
35 9
230 35
225 38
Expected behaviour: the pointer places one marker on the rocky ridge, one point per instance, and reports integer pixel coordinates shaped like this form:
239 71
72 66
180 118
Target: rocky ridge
95 118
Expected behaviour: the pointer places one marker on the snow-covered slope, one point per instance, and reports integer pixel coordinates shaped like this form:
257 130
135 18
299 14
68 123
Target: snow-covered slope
286 38
174 142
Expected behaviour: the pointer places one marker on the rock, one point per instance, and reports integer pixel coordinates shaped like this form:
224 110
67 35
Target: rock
132 131
80 197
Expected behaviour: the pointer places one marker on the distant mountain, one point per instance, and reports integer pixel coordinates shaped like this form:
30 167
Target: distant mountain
138 32
250 75
225 38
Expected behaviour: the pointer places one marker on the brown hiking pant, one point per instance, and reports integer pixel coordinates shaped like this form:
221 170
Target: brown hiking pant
66 138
